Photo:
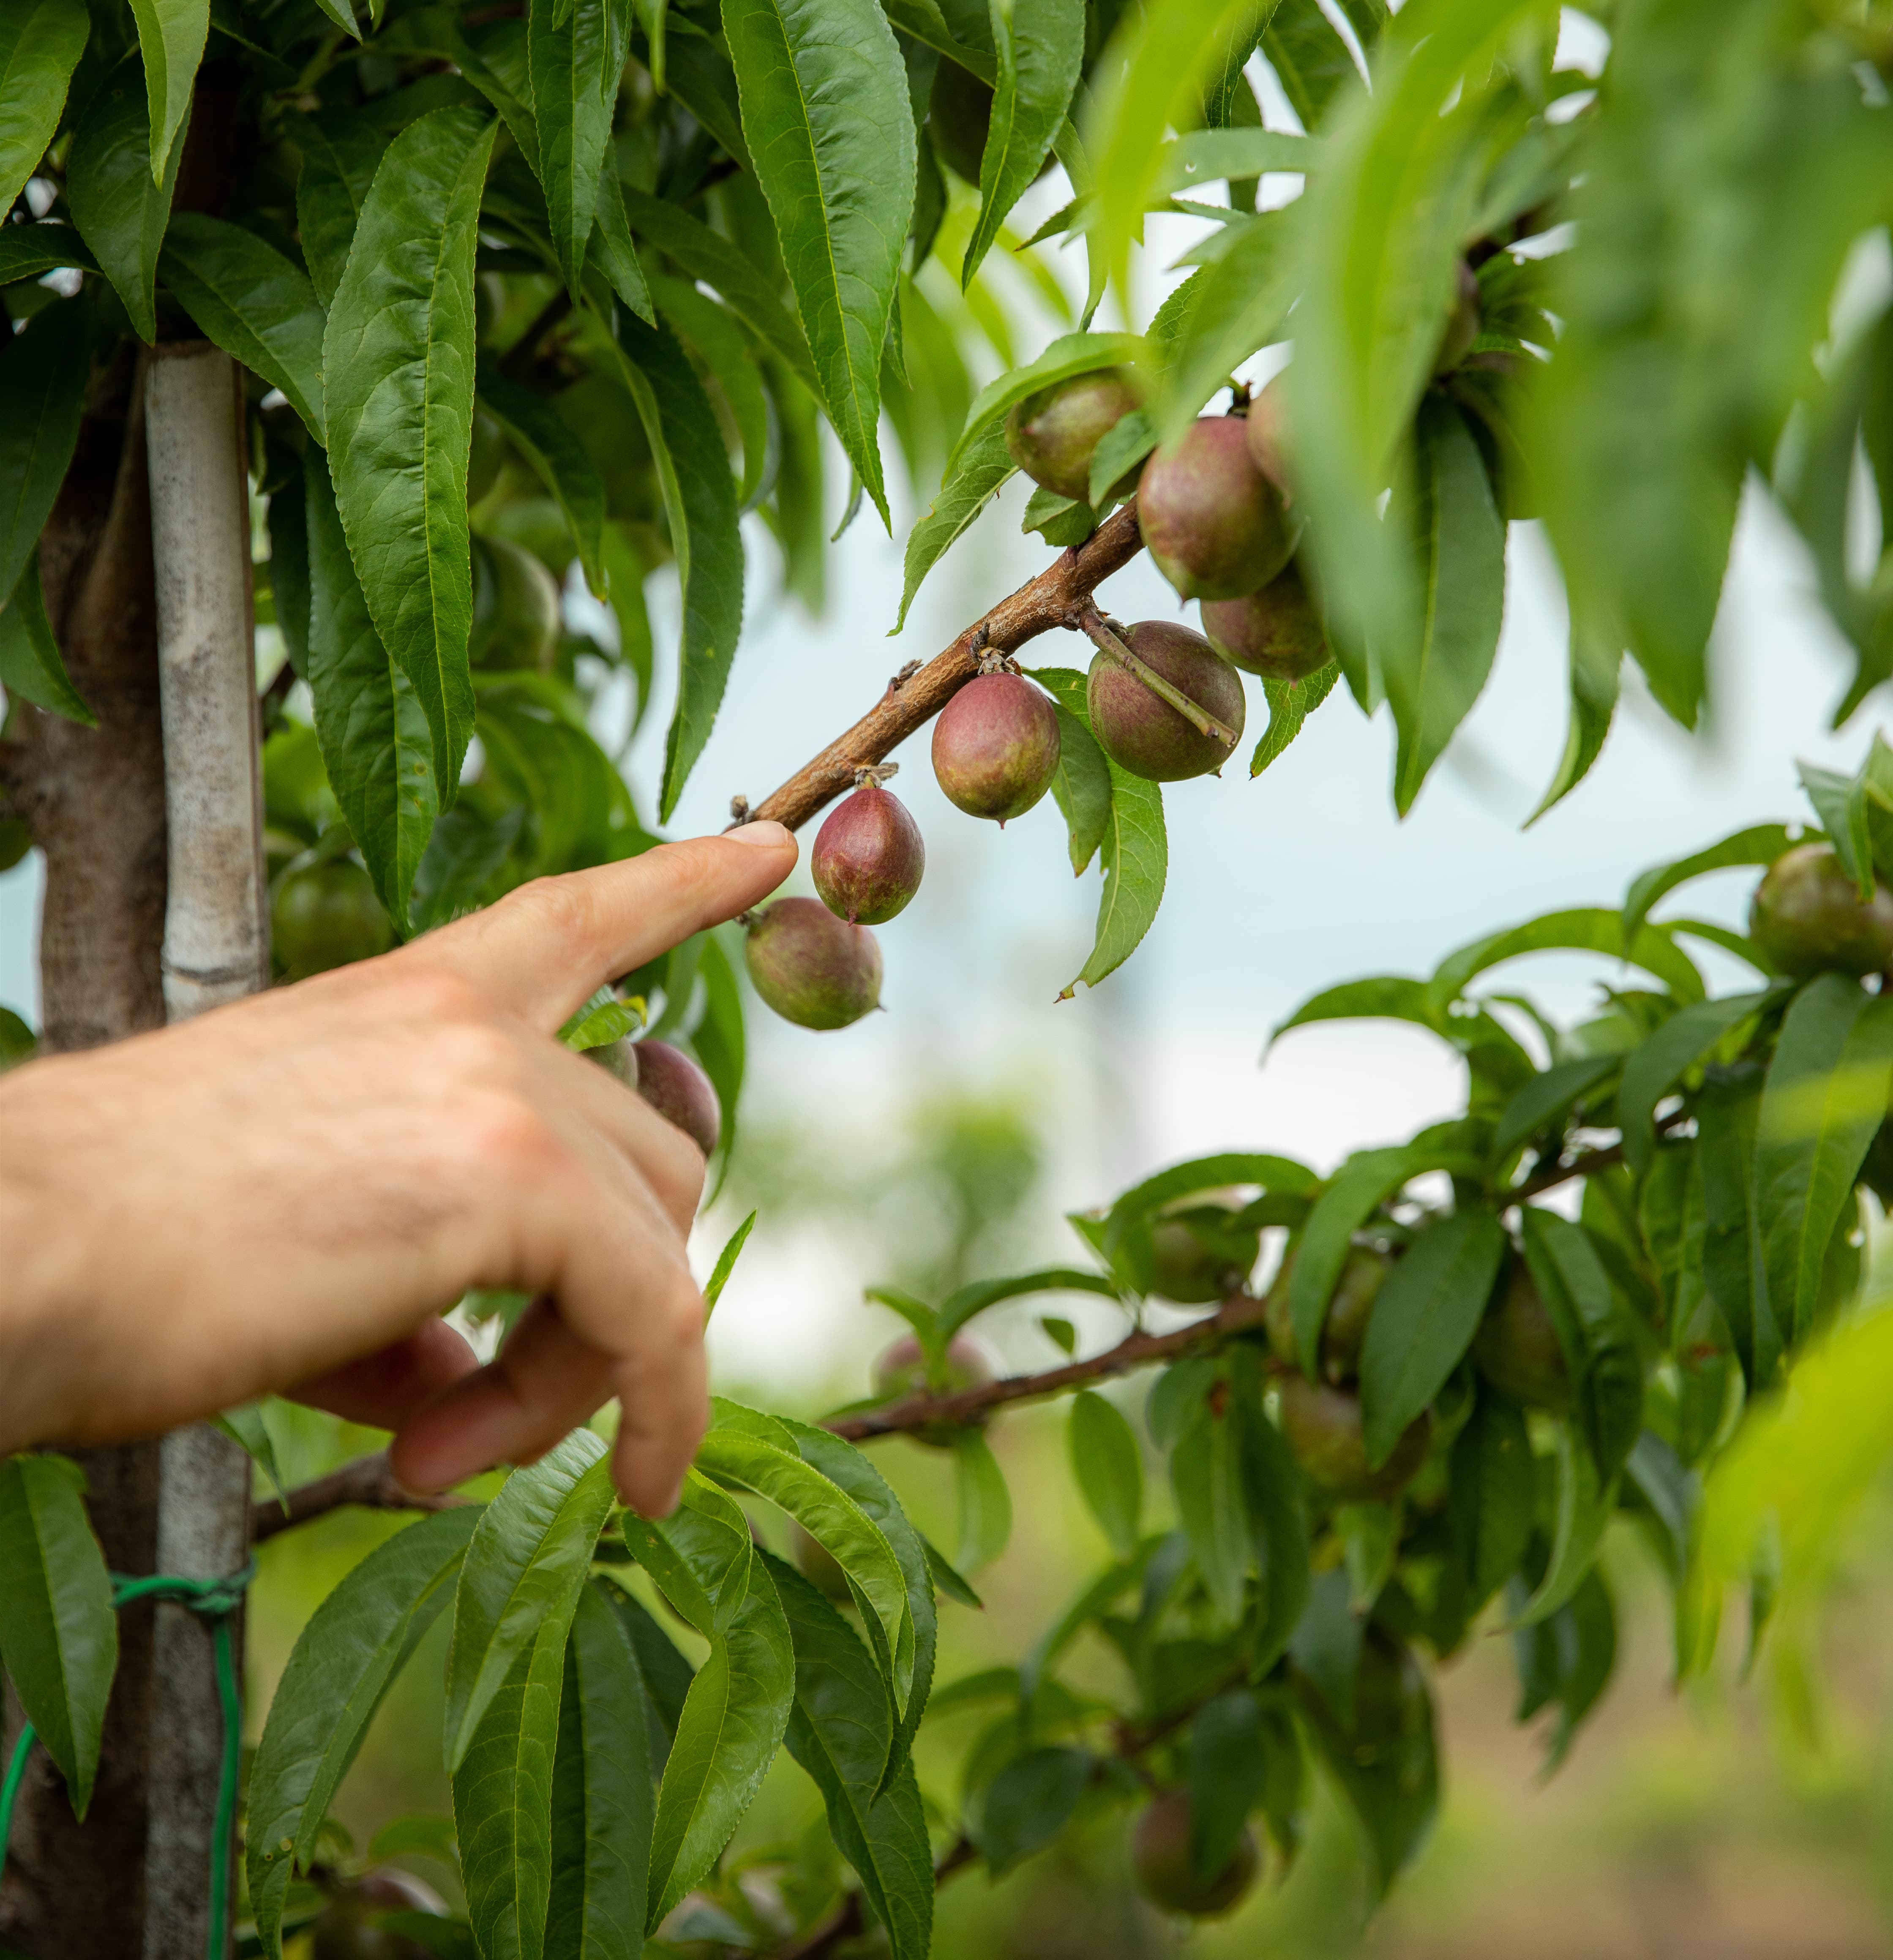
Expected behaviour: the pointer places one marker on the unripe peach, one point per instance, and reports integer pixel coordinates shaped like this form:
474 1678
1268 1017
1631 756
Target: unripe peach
1166 1871
1140 731
1517 1348
1195 1257
868 856
680 1093
1807 916
1265 430
617 1057
1214 524
1276 632
1343 1329
1053 435
901 1369
996 746
1322 1427
810 967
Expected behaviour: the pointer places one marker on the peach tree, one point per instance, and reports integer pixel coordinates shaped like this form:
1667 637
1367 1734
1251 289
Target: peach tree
531 302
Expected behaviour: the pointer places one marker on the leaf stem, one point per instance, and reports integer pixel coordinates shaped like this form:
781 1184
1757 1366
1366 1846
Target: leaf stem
1092 623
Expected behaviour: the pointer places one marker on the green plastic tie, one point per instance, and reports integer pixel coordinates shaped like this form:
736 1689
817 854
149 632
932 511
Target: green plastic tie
216 1600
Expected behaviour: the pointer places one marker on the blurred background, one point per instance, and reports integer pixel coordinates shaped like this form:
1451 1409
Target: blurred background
944 1139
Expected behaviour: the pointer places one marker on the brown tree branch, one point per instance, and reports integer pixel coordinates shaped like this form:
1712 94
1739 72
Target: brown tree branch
1038 606
367 1480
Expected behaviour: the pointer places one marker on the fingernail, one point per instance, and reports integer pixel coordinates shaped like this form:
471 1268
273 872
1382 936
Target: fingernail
764 832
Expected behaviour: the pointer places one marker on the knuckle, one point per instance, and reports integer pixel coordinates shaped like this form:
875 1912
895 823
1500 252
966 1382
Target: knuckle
505 1134
433 997
561 909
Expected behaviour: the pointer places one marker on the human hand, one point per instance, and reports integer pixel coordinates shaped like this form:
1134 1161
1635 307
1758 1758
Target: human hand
285 1195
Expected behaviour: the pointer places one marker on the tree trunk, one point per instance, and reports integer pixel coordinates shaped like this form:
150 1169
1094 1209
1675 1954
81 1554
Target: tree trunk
216 950
95 800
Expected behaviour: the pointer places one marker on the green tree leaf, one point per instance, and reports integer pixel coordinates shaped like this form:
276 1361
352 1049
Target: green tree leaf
1385 223
824 112
707 255
1081 789
1040 47
1585 1499
523 1571
503 1801
1433 675
1228 1766
732 1723
1133 853
573 98
120 213
1653 1068
1583 928
839 1733
1491 1496
398 361
1290 702
1151 80
722 346
354 1644
1549 1097
27 250
1760 844
1234 306
700 501
1310 59
495 57
986 1503
613 252
1108 1467
1424 1320
1206 1473
1365 1180
603 1797
1596 671
30 666
1384 1757
248 298
1566 1661
1599 1338
978 469
725 1265
342 149
1028 1802
58 1635
843 1465
40 44
560 461
1825 1097
376 745
171 34
835 1522
961 1306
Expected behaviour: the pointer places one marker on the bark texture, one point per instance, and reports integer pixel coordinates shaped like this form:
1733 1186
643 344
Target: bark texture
94 801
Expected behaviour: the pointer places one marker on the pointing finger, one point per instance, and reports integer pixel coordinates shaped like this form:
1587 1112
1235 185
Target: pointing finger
543 950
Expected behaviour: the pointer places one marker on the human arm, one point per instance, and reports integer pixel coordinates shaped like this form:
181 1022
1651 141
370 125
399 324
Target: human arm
285 1195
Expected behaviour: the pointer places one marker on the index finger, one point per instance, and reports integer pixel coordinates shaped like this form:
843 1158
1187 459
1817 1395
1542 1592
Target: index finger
543 950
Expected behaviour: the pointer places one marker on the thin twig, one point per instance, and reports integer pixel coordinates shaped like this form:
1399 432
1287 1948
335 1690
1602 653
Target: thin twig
845 1921
1092 624
1046 601
369 1481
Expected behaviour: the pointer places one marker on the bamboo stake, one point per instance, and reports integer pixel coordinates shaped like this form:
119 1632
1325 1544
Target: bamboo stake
216 949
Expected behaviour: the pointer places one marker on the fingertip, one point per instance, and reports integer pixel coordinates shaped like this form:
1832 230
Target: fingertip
762 834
